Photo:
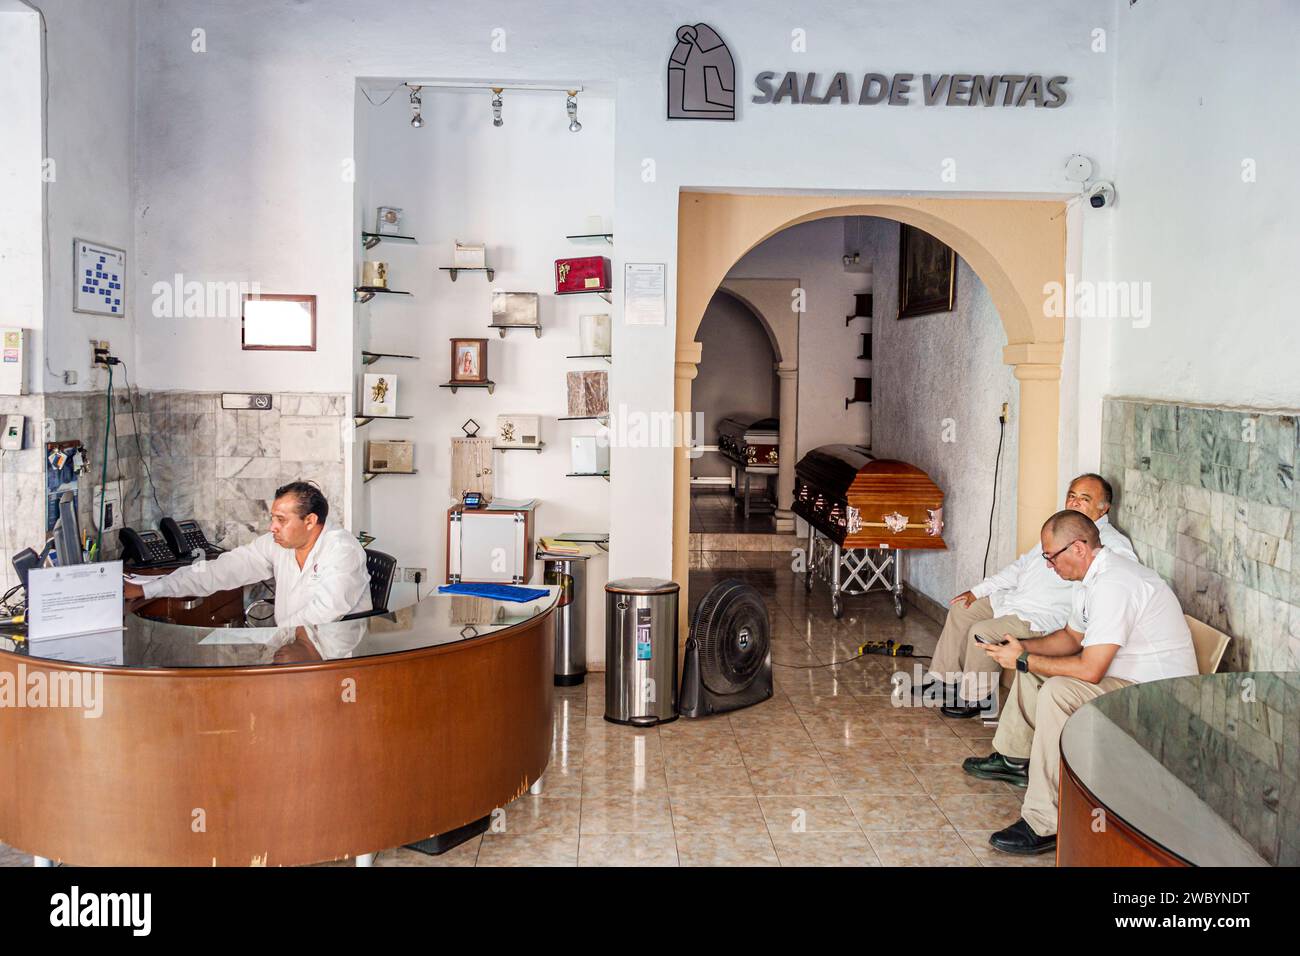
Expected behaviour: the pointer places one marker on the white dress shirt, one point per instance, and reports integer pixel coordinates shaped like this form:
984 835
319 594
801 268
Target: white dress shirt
332 582
1121 602
1031 589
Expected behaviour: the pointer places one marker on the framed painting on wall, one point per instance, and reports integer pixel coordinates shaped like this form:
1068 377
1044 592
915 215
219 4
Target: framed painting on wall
469 360
927 274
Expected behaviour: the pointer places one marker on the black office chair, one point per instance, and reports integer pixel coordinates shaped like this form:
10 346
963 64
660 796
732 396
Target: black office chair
382 568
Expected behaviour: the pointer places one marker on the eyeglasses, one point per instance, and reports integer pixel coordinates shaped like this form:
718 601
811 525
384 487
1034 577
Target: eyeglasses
1051 558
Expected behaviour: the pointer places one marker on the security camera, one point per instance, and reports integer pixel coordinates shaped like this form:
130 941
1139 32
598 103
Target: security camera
1101 195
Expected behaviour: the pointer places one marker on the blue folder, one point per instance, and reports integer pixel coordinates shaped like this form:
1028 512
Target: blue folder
497 592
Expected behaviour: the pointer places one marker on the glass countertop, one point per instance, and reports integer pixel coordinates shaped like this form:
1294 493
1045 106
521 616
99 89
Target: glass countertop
145 643
1207 767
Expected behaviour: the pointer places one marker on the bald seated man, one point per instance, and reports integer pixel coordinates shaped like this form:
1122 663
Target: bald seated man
1125 627
319 568
1025 599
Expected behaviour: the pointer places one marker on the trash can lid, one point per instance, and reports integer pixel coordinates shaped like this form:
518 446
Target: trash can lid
643 586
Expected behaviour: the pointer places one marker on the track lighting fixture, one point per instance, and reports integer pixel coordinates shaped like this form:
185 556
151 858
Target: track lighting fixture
571 106
496 106
416 119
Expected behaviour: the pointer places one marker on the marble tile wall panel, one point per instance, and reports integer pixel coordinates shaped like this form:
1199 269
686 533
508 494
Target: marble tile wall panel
1208 496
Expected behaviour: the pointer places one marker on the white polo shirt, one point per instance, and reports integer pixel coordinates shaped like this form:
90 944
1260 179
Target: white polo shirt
332 582
1121 602
1031 589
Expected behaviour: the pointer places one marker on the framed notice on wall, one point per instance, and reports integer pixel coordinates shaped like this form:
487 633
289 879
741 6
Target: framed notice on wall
98 278
644 285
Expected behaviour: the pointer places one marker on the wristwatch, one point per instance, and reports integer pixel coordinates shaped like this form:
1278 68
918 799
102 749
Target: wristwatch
1022 662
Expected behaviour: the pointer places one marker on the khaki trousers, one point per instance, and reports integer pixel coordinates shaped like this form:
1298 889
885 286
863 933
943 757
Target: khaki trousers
960 659
1031 725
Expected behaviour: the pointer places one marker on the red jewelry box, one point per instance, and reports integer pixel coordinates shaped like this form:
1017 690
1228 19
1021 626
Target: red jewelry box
585 274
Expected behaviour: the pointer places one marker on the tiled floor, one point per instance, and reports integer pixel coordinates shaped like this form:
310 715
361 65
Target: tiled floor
714 511
826 773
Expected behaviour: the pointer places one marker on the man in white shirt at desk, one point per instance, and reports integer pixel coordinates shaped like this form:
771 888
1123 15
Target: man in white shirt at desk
1125 627
319 568
1025 599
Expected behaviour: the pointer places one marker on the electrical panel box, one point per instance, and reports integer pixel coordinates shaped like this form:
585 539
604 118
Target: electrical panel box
13 361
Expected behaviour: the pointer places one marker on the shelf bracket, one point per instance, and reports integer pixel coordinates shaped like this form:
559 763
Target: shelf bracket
370 242
363 296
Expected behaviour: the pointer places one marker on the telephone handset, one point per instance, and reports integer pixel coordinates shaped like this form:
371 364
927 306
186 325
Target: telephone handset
186 536
145 549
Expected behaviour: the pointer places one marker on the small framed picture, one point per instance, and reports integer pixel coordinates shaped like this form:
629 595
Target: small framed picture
469 360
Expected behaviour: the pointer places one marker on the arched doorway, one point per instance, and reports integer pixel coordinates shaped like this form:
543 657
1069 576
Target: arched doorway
1016 247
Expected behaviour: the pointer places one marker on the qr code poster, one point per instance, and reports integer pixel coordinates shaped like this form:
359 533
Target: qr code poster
98 278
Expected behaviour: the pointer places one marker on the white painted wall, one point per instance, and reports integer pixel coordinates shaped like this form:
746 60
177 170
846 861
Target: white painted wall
22 258
242 147
1219 252
520 189
90 135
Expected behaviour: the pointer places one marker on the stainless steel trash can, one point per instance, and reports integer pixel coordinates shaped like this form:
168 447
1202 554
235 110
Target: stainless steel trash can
569 574
641 651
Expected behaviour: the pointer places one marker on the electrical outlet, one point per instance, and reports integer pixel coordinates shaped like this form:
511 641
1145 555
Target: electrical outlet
99 354
1006 413
408 575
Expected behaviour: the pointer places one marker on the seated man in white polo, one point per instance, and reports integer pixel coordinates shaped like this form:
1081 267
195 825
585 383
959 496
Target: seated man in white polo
1025 599
319 568
1125 627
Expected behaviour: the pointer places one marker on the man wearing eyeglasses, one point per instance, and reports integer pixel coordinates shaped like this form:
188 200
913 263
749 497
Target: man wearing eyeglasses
1025 599
1125 627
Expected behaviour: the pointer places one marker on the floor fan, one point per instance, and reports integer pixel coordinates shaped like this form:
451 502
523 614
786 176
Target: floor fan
728 662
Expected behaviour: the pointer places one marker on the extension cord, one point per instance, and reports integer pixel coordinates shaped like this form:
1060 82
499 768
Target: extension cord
887 648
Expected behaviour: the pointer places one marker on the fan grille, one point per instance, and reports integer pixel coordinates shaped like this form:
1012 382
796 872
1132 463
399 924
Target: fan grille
731 628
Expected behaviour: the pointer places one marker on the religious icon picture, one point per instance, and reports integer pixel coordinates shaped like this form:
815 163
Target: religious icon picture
380 395
469 360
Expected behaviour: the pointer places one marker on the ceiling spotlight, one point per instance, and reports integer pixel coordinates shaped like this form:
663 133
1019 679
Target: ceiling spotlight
416 119
571 106
496 105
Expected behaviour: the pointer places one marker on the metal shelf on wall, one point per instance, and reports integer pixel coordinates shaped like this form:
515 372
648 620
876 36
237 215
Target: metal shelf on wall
455 385
454 271
605 294
502 329
361 420
367 476
372 239
607 237
364 293
603 419
370 358
607 356
588 474
538 447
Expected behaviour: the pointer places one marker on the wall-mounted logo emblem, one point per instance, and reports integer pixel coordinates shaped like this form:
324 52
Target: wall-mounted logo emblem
701 76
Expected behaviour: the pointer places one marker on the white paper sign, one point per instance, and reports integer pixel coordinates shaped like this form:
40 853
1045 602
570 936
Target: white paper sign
643 293
76 599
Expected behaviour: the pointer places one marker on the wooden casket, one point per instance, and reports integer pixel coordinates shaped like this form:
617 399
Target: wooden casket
754 444
859 501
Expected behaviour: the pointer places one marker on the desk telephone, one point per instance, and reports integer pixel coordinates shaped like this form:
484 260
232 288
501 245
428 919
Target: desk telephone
174 544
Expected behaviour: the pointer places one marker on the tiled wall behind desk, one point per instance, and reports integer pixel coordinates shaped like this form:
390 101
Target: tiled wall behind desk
1208 496
220 467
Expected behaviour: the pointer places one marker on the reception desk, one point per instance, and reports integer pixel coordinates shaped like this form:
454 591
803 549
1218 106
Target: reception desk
216 746
1194 771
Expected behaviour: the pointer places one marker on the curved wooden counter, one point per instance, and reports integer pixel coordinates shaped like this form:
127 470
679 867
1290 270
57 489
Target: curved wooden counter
279 764
1180 772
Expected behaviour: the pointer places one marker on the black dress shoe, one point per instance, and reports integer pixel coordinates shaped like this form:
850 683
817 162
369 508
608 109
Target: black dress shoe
997 767
961 709
1020 838
932 689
